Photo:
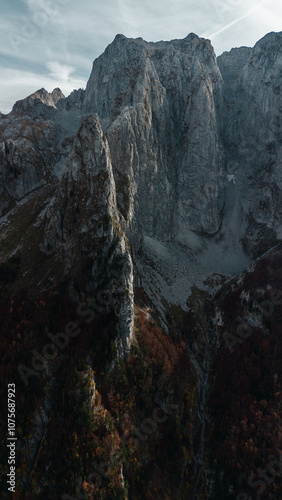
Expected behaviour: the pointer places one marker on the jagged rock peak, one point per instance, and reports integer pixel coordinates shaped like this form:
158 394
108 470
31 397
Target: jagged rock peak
83 220
87 183
120 36
57 94
39 97
191 42
48 98
190 37
272 40
91 153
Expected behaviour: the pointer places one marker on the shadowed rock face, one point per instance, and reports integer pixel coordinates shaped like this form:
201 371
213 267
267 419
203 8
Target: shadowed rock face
82 223
251 129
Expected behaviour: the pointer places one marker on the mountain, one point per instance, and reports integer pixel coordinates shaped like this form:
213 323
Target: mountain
141 219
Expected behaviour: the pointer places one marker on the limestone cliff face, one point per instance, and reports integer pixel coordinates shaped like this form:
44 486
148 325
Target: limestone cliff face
251 131
157 104
186 163
27 155
82 226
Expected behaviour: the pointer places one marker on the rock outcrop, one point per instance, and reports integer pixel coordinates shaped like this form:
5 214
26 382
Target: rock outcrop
83 227
28 154
38 102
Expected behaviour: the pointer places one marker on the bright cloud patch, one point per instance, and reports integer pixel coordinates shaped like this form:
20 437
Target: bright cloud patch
60 72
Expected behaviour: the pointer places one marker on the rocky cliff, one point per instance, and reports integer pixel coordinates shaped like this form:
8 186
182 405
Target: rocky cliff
195 145
152 197
251 134
157 104
82 225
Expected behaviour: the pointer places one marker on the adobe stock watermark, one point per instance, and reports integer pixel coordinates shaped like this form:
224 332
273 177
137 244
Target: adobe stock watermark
30 27
244 329
148 427
61 340
262 478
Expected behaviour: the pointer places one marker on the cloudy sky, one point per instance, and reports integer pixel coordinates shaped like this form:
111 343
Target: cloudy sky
52 43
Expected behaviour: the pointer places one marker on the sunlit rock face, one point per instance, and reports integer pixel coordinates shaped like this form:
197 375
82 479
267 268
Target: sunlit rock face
195 140
157 104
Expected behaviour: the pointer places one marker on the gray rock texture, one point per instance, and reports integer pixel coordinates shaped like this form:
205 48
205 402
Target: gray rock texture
27 154
82 226
157 104
168 149
251 131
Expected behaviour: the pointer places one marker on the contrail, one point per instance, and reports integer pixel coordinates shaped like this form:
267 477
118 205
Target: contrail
234 22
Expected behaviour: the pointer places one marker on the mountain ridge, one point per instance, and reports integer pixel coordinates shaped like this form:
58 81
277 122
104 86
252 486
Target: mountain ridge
176 151
154 198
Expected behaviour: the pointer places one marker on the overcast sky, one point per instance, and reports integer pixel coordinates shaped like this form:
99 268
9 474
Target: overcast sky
52 43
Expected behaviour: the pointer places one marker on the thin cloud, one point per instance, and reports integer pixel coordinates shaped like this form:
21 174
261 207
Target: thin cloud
247 9
60 72
235 21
